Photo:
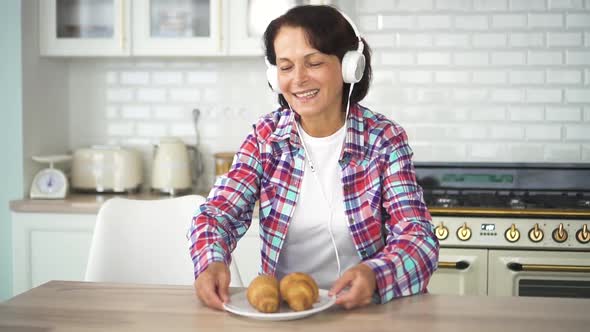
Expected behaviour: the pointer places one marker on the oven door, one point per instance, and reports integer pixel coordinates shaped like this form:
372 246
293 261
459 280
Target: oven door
539 273
460 272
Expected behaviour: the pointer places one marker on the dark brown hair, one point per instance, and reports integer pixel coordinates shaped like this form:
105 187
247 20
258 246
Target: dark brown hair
327 31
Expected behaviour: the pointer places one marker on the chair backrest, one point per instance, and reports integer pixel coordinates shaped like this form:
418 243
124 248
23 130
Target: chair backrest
144 241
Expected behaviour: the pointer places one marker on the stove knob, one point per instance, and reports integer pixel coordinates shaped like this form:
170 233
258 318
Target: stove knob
583 235
441 232
464 232
536 234
512 234
559 234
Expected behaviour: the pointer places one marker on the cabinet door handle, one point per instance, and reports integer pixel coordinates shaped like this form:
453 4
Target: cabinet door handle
220 26
460 265
122 21
518 267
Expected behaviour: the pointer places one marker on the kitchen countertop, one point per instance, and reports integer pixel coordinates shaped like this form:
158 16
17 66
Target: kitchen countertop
77 306
83 203
76 203
91 203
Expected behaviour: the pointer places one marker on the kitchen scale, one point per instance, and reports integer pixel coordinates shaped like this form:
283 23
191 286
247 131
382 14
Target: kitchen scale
50 183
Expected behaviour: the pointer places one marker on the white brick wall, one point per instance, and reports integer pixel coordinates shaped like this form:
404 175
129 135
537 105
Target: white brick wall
525 114
117 94
518 39
563 114
472 22
134 78
561 39
520 67
566 4
147 95
135 112
143 100
564 76
167 78
527 77
470 80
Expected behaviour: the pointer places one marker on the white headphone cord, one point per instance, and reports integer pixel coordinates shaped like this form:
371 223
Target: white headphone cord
313 172
312 167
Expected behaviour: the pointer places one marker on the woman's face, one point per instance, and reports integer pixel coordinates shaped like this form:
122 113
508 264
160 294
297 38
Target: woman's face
311 81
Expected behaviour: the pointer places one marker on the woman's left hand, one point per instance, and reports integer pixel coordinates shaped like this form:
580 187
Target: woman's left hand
361 283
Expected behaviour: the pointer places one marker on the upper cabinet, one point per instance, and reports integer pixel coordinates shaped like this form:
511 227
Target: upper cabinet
84 27
157 27
177 27
247 20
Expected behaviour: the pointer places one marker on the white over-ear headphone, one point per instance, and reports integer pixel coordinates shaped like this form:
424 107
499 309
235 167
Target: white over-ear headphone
353 63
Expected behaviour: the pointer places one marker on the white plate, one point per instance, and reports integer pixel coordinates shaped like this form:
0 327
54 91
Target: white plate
239 305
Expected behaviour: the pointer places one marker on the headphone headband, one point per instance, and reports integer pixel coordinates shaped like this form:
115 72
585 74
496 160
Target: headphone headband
353 62
361 45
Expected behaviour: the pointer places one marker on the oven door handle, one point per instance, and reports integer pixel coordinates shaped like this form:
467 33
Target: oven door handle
460 265
518 267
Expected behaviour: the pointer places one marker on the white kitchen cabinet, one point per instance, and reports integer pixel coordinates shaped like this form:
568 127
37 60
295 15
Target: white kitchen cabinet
178 27
157 27
55 246
249 18
84 27
49 246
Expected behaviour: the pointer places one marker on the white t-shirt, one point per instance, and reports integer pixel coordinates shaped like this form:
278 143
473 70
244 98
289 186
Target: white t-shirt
308 246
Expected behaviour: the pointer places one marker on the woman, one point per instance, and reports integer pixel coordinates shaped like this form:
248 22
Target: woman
336 183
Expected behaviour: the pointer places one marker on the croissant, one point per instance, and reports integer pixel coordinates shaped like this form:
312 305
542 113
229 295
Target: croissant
299 290
263 294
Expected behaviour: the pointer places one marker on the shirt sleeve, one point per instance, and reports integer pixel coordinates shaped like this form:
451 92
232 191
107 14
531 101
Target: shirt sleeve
227 214
410 255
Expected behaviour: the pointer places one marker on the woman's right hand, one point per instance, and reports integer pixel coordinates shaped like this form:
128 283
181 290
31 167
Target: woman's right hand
212 285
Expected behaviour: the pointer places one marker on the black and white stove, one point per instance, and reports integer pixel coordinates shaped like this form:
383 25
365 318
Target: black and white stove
509 205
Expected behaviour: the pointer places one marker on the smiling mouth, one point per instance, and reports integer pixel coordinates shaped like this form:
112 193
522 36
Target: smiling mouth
306 94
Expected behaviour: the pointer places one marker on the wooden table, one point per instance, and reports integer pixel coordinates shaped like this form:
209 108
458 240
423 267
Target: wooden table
79 306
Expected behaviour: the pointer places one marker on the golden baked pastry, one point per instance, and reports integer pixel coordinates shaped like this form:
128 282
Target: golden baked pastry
299 290
263 294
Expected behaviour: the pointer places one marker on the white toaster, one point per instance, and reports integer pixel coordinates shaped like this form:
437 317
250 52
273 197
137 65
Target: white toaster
107 169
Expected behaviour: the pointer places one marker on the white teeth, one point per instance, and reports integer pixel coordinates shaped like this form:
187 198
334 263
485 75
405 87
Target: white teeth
307 94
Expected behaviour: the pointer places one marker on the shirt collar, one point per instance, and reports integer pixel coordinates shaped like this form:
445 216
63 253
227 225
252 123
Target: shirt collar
354 143
285 128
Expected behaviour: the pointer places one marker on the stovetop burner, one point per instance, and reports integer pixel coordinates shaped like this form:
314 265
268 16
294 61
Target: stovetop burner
444 201
516 203
506 186
502 200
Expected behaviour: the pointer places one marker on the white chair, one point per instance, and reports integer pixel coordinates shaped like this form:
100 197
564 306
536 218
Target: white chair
144 241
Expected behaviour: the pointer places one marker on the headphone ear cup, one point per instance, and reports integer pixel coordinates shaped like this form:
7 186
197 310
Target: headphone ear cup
353 66
272 78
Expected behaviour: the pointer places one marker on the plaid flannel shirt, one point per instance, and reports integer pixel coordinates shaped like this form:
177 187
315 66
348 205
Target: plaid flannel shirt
387 216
